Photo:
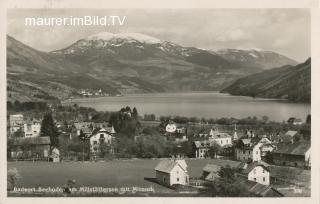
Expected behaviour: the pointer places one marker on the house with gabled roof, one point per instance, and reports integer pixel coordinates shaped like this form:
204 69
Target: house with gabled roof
170 172
297 154
30 147
248 149
256 171
210 172
100 135
257 188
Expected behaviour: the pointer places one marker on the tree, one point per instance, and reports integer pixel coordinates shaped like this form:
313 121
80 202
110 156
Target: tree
214 150
12 177
48 128
104 148
135 113
308 120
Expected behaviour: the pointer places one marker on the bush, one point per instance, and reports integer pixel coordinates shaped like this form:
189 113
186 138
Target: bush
12 177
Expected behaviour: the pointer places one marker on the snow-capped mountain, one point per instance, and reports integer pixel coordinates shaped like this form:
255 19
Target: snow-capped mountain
112 43
256 58
127 63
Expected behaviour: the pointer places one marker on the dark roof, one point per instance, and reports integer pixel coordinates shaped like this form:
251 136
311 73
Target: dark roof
296 148
31 140
108 130
257 188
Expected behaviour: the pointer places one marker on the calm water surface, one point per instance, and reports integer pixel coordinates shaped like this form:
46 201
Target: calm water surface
200 104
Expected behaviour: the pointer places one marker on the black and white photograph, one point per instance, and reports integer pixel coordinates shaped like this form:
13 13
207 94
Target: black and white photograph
203 103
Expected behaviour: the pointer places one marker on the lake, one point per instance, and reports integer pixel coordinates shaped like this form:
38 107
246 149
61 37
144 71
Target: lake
200 104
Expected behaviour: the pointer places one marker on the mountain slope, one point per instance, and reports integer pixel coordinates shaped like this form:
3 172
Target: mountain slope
289 82
116 63
132 57
33 75
256 58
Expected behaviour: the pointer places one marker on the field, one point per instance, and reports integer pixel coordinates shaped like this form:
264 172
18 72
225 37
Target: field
117 173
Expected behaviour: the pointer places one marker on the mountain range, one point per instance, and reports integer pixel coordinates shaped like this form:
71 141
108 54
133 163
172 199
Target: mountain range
127 63
287 82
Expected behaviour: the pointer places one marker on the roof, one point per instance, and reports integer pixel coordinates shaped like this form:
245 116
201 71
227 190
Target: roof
167 166
31 140
212 176
291 133
257 188
221 135
296 148
212 168
203 143
81 125
253 165
109 130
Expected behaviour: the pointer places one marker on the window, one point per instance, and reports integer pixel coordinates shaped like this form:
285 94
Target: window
255 179
257 152
101 136
186 179
264 179
95 142
263 171
177 179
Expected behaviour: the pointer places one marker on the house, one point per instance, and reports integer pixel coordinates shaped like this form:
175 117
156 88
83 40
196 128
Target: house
84 127
248 149
266 146
15 122
297 154
288 136
256 171
201 148
257 188
210 172
30 147
170 172
295 121
222 139
171 127
101 135
32 128
55 155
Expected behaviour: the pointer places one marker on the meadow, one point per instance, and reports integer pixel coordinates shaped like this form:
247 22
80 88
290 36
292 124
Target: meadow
116 173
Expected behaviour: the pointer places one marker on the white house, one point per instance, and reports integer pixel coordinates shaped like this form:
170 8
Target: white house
248 149
265 146
32 129
171 127
170 172
55 155
15 122
100 135
222 139
257 172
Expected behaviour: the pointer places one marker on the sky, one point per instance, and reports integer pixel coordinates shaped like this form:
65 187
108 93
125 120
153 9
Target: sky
286 31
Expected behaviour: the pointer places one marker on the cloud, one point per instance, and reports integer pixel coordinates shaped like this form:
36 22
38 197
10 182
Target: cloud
286 31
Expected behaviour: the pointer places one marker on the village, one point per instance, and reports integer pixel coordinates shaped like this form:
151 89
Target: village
243 160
